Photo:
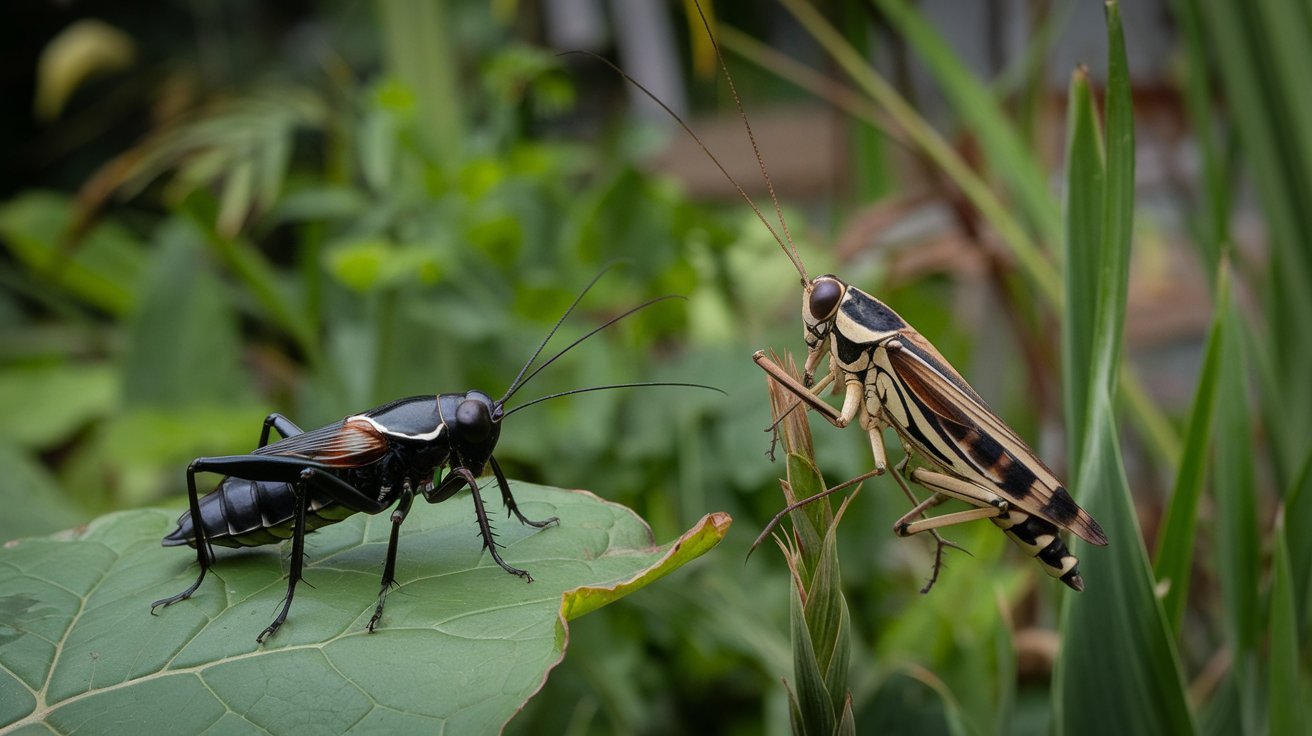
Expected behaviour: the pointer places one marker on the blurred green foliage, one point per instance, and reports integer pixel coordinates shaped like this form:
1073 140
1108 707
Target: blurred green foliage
324 211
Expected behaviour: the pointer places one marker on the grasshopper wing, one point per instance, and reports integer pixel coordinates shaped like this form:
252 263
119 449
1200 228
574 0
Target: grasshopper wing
980 440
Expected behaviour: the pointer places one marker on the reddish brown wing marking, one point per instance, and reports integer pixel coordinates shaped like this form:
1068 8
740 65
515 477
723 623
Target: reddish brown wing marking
349 443
991 446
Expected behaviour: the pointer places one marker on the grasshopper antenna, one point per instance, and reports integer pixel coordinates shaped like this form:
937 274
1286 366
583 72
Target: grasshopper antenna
789 248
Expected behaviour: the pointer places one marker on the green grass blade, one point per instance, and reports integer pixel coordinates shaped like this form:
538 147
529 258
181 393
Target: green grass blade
1298 521
1119 671
1235 488
1212 226
1175 544
1085 183
1288 707
1118 211
1237 544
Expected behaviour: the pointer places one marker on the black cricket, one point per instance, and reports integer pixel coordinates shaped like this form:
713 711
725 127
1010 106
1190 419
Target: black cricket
364 463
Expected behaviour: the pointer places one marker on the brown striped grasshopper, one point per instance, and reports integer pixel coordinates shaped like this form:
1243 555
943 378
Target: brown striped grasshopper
892 377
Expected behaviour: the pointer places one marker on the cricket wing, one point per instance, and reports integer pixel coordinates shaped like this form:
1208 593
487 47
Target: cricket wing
982 440
350 443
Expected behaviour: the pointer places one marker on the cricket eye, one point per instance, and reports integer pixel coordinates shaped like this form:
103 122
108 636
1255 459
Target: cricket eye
824 298
473 421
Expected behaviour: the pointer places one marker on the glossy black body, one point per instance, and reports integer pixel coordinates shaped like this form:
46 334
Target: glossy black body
429 446
242 512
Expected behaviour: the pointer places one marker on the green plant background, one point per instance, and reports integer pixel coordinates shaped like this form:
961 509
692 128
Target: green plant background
314 211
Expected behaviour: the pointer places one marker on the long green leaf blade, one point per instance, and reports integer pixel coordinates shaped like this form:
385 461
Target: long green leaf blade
1119 671
1237 545
1085 183
1288 706
1175 544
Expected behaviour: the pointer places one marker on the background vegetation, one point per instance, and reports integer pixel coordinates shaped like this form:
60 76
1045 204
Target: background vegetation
320 207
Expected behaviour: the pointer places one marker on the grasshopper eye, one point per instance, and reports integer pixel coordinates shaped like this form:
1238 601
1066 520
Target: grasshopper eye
472 421
824 298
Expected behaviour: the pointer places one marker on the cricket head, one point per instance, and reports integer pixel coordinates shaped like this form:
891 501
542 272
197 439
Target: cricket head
475 426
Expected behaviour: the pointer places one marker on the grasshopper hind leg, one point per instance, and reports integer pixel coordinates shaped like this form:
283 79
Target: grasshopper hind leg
915 521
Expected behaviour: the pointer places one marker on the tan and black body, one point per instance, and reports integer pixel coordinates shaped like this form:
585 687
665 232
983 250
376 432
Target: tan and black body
956 446
891 376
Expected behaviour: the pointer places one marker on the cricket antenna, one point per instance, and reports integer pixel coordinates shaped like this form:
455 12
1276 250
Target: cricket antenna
608 387
571 346
515 384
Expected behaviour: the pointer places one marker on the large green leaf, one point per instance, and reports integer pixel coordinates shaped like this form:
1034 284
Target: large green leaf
463 645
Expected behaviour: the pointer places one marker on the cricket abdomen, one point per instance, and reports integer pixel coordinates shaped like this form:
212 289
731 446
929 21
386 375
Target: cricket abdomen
251 513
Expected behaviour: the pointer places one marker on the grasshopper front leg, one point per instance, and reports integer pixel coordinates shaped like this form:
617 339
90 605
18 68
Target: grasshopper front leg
810 396
852 401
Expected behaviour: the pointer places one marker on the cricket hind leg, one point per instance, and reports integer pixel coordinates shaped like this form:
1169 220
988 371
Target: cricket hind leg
204 551
389 568
279 423
298 555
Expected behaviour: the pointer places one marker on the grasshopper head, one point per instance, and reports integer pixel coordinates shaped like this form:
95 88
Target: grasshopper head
820 301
